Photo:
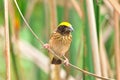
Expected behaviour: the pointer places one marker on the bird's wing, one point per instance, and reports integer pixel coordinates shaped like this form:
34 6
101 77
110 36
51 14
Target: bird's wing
51 37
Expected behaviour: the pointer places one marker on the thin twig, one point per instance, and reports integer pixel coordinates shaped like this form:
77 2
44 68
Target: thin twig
7 44
75 67
27 23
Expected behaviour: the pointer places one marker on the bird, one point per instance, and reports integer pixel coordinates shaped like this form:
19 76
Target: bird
60 41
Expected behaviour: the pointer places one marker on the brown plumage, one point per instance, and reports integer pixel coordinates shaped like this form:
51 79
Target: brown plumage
60 41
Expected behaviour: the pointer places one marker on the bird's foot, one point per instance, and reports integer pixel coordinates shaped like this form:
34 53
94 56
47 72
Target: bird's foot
66 61
46 46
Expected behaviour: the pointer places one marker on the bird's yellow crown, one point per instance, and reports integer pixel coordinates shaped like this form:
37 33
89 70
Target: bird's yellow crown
66 24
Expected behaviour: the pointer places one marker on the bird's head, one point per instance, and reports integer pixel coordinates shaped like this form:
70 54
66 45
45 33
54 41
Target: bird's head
64 28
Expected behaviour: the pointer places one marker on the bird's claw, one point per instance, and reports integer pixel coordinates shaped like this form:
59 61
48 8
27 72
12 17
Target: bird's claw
46 46
66 62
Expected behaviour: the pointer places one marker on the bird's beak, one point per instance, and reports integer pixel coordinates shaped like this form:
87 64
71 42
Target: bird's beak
71 29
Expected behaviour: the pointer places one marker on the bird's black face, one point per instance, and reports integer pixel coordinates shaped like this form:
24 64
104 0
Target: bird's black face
64 30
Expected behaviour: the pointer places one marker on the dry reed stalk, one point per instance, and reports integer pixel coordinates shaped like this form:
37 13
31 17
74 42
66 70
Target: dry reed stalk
47 28
93 36
15 29
66 10
7 43
53 14
103 56
105 61
82 8
14 21
55 69
12 17
77 8
107 33
103 38
108 5
55 72
115 5
117 43
30 8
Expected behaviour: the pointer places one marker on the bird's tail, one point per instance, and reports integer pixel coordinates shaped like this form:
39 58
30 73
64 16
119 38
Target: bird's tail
56 61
